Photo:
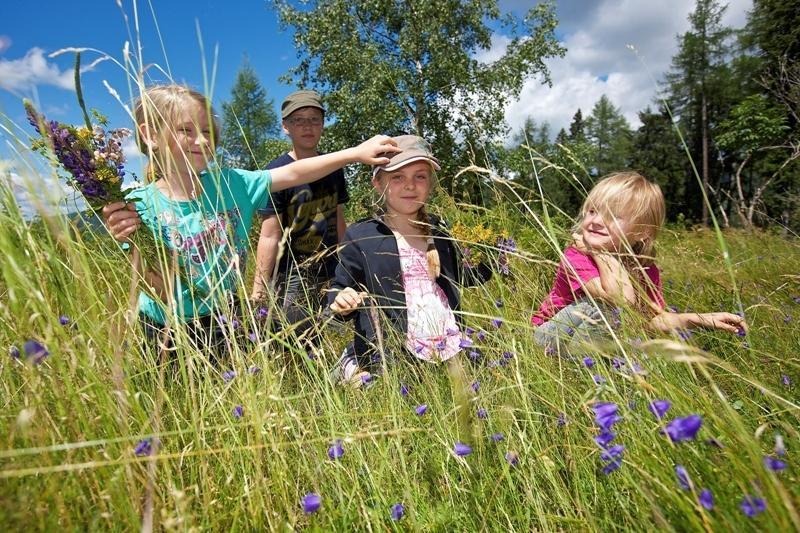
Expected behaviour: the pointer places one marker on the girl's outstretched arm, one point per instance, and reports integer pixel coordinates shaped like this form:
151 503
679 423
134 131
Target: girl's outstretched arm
310 169
666 321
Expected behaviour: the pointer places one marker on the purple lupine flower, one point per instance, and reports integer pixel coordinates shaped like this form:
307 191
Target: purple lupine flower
461 449
610 454
483 414
562 420
13 351
238 411
228 376
311 503
682 429
469 331
752 506
497 437
336 450
465 342
35 352
421 409
403 390
476 385
588 362
512 458
398 511
144 447
786 381
598 379
497 322
659 408
604 438
776 465
706 499
605 414
63 320
481 335
684 481
253 370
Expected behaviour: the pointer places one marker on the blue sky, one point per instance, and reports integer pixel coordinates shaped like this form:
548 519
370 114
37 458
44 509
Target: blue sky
595 32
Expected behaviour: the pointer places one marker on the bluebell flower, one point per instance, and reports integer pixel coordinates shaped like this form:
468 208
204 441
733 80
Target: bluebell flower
13 351
421 409
469 331
598 379
311 503
403 390
604 438
497 437
336 450
366 378
465 342
605 414
562 420
482 413
238 411
684 481
752 506
144 447
706 499
659 408
398 511
617 363
252 336
235 323
776 465
512 458
498 303
474 355
611 466
588 362
476 385
228 376
263 312
497 322
508 355
610 453
461 449
682 429
63 320
786 381
481 335
35 352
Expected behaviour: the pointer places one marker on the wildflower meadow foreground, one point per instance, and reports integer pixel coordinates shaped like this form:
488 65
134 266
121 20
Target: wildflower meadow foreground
693 432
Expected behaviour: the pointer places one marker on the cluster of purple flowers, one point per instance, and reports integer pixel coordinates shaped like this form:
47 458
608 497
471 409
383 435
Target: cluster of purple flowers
93 157
506 245
605 416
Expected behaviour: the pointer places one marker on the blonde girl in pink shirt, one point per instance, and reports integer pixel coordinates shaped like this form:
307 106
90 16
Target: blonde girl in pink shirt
611 263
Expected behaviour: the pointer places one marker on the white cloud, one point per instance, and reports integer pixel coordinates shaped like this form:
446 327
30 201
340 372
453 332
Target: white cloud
22 75
598 60
37 192
5 43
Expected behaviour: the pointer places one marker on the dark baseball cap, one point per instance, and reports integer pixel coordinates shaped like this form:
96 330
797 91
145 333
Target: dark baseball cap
300 99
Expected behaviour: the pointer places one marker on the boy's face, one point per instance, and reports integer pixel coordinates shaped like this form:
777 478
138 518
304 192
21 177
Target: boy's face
405 189
304 128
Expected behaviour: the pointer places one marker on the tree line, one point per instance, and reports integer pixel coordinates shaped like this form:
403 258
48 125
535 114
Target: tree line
722 138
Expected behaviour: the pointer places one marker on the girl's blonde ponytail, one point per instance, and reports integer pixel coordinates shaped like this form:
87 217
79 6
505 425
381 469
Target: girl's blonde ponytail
432 254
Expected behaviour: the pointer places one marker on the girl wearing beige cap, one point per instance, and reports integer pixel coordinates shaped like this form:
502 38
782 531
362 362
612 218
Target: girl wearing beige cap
406 262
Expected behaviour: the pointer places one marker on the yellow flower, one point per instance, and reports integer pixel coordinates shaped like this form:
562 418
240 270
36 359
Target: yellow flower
105 174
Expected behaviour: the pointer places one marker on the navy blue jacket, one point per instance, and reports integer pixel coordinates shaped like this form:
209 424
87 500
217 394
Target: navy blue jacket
369 261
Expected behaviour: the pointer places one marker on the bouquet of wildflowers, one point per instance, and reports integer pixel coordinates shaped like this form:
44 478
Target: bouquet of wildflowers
91 155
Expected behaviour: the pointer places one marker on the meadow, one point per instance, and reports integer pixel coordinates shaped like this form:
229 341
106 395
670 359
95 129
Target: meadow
97 434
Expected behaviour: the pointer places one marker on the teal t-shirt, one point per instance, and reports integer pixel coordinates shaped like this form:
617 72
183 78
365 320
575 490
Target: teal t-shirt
211 234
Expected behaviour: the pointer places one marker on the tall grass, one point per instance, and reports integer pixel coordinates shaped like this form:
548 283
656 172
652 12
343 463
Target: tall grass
71 425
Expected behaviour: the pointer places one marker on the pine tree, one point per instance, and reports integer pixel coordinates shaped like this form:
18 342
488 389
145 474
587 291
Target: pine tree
609 134
249 121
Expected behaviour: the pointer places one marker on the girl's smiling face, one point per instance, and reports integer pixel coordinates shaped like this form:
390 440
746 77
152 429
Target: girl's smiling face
405 189
605 232
189 141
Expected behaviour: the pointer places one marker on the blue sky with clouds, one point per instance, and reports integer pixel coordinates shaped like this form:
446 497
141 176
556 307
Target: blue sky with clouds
595 32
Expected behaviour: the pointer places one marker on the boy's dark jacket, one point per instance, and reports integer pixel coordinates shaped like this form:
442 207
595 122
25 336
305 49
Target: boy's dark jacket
369 261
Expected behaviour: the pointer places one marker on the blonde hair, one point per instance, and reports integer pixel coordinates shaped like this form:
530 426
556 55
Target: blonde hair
157 111
640 202
423 221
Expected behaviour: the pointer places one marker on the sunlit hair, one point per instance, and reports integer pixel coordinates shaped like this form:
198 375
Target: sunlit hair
158 111
630 196
431 253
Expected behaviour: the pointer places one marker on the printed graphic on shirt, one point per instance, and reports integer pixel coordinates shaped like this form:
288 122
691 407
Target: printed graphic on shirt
311 219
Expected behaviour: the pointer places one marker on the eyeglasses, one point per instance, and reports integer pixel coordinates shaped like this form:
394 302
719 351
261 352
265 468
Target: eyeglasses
302 121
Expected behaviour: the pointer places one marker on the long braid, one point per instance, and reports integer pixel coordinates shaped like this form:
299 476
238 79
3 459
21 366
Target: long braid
431 253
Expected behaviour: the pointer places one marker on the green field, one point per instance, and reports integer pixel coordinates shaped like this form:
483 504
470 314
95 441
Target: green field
70 426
